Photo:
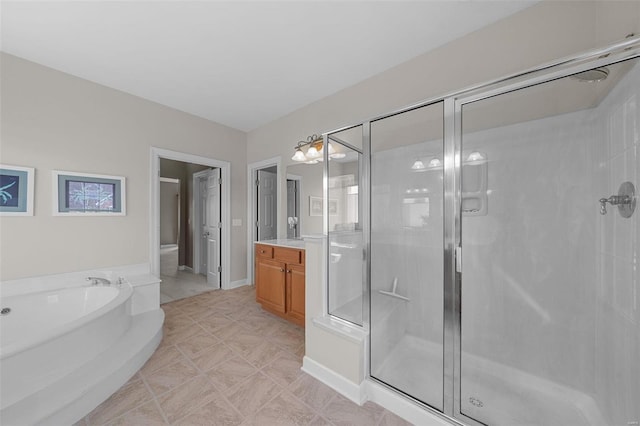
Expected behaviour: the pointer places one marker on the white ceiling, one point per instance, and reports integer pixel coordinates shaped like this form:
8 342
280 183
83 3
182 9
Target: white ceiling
239 63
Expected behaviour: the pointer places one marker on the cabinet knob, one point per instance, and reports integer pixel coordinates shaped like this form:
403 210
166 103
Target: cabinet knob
261 251
281 270
289 271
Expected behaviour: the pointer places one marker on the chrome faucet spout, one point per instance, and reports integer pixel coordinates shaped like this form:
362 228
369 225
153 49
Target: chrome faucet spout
98 281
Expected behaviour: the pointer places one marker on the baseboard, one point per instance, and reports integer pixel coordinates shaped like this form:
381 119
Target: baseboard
340 384
185 268
236 284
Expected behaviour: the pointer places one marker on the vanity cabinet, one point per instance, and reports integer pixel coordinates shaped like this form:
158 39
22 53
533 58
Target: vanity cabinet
280 281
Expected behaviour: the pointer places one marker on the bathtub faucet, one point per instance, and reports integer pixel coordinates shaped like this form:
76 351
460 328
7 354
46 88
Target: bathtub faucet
98 281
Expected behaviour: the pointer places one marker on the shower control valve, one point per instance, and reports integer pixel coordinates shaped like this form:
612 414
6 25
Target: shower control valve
625 200
614 200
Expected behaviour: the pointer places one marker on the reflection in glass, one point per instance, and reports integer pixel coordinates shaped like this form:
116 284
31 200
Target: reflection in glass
345 226
407 253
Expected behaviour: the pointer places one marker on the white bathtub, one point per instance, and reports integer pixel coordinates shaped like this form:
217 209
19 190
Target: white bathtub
64 351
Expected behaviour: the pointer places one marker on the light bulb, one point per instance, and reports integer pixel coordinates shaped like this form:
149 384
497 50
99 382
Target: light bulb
313 152
475 156
418 165
299 155
435 163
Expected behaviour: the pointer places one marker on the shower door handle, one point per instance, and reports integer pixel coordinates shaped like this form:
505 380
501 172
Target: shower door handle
458 255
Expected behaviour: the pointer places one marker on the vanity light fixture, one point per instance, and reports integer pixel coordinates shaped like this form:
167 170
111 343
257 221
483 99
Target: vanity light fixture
315 151
299 155
334 154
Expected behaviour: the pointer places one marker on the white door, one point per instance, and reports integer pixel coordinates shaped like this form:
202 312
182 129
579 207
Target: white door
212 228
267 228
210 188
202 223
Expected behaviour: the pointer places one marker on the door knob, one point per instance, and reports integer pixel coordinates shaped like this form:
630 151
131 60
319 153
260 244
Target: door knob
206 234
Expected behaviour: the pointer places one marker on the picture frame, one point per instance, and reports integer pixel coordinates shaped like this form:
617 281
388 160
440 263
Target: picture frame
16 190
333 207
87 194
316 206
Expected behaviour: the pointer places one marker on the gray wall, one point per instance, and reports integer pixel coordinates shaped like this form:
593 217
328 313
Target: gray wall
55 121
169 212
542 33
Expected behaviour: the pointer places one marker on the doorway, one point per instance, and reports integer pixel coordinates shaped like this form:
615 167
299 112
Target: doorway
170 226
266 209
294 188
263 204
187 166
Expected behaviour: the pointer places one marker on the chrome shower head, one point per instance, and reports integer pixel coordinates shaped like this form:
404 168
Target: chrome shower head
592 76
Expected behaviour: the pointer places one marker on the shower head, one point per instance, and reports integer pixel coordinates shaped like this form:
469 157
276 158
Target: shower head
592 76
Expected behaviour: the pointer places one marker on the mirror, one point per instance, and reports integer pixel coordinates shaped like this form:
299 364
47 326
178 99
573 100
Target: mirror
303 209
304 186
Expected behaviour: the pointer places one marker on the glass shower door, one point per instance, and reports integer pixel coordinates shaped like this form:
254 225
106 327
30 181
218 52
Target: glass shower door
406 249
550 310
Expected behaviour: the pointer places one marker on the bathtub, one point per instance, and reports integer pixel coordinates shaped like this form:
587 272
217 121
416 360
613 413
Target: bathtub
63 351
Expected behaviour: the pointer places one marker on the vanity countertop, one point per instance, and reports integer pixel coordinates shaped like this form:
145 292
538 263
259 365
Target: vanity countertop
283 242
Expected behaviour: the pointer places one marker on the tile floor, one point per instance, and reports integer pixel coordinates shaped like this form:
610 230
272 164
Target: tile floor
182 284
169 256
224 361
178 284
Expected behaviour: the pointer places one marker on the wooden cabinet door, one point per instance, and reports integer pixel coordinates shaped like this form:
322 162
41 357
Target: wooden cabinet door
270 284
295 293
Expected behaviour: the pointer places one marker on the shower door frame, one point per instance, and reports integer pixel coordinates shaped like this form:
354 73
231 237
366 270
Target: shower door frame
619 52
452 186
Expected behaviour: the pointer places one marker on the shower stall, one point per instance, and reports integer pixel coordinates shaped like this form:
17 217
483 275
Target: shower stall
500 235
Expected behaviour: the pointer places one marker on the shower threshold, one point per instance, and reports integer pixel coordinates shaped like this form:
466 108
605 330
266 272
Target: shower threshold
493 393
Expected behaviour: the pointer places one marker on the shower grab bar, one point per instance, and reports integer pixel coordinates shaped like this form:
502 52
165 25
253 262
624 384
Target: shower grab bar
388 293
342 245
393 293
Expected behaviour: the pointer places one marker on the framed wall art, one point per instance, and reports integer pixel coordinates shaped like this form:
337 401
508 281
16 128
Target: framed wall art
16 190
80 194
315 206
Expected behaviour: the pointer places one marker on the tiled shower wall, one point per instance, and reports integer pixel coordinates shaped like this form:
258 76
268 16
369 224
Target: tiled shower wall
562 299
617 308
